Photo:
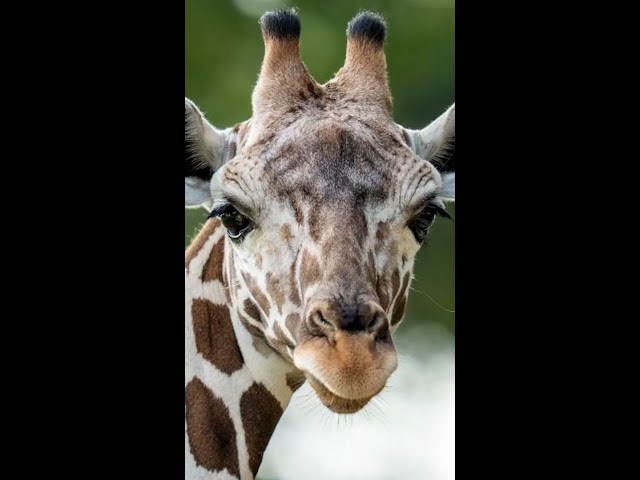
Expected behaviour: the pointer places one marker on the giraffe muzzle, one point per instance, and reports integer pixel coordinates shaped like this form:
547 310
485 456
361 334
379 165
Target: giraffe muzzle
347 367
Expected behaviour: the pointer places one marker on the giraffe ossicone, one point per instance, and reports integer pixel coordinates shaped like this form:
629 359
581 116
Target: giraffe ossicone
319 203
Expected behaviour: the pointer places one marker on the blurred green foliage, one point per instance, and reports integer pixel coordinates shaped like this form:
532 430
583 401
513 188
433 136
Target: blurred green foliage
224 51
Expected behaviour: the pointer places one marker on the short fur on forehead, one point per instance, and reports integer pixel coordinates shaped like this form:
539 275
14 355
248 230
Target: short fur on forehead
290 108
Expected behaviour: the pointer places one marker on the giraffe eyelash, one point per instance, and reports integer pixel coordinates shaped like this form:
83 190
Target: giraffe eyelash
420 223
236 224
228 208
434 207
227 204
442 212
220 210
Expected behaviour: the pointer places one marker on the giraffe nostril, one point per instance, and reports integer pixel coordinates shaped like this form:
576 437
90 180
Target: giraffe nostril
318 323
378 325
325 318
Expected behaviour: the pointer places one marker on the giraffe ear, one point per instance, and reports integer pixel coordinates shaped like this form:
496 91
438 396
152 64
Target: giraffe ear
204 153
436 143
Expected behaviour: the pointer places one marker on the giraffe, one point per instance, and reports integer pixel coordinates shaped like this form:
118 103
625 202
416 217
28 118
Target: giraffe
318 205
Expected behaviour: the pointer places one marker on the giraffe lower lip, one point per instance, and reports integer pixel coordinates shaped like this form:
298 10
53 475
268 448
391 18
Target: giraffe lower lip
334 402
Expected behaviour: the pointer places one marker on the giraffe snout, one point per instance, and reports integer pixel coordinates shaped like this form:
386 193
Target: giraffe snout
348 354
326 317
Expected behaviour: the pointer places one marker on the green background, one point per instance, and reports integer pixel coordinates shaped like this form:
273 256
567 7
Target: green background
224 51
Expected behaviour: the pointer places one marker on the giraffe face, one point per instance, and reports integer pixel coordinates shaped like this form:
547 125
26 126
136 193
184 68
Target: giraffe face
323 234
326 202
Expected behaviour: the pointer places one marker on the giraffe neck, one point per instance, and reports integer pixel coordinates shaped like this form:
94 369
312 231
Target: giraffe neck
236 386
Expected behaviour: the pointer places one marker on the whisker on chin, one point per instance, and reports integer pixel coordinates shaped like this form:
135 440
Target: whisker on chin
380 398
373 413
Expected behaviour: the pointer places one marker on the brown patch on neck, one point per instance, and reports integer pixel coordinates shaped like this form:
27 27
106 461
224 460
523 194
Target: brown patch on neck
212 269
260 413
212 437
198 242
215 339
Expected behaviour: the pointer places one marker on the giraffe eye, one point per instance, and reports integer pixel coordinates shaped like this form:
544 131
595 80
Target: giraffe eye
421 223
237 225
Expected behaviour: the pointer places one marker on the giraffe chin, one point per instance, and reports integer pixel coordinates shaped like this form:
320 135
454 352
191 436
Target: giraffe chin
347 370
334 402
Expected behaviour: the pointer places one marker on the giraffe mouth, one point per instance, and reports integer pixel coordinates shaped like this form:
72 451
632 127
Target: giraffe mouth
349 373
334 402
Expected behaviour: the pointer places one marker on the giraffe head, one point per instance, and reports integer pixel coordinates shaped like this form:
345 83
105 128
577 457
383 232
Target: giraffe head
326 201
